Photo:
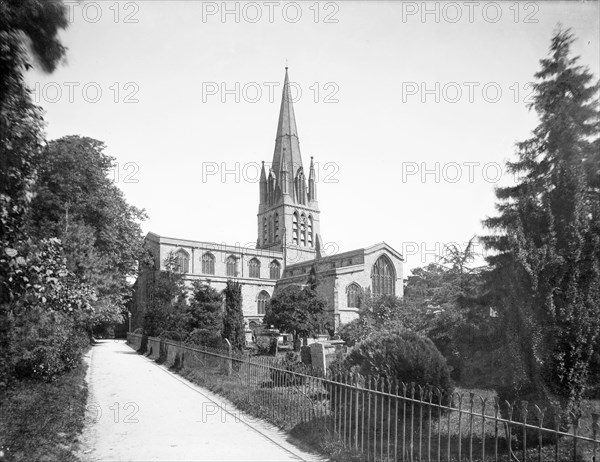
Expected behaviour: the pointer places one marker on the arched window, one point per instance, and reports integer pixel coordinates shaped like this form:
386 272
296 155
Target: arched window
182 261
300 186
262 301
354 293
271 228
383 277
276 227
208 263
254 268
303 229
274 270
231 266
309 226
295 228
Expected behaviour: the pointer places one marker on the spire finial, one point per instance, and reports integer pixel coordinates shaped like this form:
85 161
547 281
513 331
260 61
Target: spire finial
286 64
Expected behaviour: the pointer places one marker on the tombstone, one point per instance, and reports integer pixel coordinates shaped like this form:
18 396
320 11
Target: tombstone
317 356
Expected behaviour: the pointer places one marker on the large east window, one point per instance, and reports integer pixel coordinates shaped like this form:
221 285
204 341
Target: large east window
383 277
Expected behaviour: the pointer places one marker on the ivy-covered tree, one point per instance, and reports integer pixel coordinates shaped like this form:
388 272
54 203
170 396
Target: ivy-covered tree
167 306
299 311
546 237
233 319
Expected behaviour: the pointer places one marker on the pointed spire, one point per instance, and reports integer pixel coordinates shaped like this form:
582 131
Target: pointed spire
263 184
312 184
287 144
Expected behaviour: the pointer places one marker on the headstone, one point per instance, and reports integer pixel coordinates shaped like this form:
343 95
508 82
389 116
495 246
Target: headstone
317 355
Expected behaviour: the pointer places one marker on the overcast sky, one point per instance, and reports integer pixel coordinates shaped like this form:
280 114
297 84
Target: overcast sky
410 109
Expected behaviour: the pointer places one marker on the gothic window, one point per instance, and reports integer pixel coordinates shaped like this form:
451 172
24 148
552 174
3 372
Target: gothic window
383 277
262 301
274 270
208 263
309 225
254 268
354 293
265 233
182 261
231 266
295 228
276 227
303 230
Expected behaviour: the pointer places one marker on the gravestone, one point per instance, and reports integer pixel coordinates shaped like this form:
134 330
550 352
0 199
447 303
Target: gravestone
317 356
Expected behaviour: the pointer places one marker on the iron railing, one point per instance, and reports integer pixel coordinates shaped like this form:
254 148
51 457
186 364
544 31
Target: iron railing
376 419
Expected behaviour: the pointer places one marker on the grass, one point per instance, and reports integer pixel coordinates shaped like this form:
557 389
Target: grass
41 421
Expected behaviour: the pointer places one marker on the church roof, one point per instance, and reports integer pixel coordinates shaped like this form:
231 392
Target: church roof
287 144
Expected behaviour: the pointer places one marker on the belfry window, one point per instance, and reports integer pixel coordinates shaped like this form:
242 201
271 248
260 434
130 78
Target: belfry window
231 266
383 277
182 261
262 301
265 234
254 268
295 228
208 263
276 227
270 229
303 230
309 225
274 270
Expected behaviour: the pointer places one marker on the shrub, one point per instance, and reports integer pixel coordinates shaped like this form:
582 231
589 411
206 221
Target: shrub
204 337
402 356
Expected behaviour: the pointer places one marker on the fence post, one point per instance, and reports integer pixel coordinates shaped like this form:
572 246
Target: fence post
229 365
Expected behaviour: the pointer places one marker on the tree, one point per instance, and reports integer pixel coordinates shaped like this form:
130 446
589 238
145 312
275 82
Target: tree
166 310
204 316
546 267
300 311
233 320
77 202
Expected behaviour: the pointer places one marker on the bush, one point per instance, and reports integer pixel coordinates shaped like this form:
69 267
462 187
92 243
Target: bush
45 344
402 356
204 337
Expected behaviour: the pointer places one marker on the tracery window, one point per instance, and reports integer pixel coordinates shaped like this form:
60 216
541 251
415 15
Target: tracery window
208 263
182 261
231 263
254 268
262 300
309 225
354 293
383 277
274 270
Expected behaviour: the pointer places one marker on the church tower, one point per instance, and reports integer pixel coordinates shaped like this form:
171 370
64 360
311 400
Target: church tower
288 213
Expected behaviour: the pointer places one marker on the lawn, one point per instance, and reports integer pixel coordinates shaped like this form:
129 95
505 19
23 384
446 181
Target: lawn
41 421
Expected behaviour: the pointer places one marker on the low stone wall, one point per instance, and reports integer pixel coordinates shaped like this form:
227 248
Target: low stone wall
134 340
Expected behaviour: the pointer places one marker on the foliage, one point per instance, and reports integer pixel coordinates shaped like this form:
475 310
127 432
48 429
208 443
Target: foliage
233 320
403 356
166 301
546 268
77 202
300 311
203 316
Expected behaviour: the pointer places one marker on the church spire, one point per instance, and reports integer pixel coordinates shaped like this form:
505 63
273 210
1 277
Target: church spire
287 144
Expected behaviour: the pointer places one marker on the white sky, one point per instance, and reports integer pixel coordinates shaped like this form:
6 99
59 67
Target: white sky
372 145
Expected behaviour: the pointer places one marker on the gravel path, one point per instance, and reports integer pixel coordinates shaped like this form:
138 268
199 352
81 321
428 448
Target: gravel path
138 410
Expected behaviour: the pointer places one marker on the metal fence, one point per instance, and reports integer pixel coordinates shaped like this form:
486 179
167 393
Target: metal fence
376 419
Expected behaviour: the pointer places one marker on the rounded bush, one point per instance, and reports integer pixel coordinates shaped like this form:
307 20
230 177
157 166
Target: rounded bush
402 356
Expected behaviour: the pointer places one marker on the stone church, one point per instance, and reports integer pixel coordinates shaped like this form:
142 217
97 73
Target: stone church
287 247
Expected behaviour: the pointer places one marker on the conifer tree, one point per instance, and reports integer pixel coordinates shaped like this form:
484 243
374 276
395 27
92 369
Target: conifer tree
546 266
233 320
